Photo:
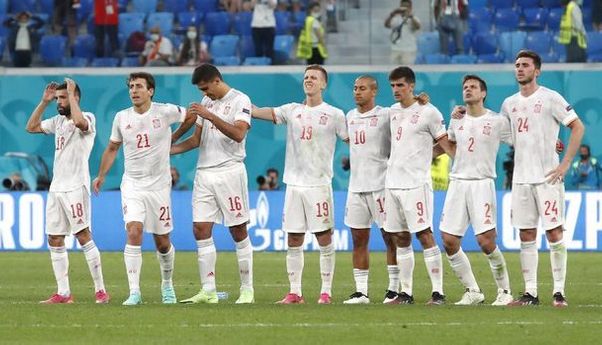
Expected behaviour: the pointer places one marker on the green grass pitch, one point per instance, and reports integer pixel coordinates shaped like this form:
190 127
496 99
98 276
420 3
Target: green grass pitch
27 278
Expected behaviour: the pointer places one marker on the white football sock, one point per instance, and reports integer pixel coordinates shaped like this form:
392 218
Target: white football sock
92 256
361 280
166 263
327 257
461 267
294 267
244 254
497 263
393 271
132 256
60 267
529 260
207 256
558 258
434 266
405 261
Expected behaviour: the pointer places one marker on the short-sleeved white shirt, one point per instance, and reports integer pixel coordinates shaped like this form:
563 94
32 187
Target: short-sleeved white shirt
535 123
71 152
146 142
369 148
413 130
477 142
217 149
310 142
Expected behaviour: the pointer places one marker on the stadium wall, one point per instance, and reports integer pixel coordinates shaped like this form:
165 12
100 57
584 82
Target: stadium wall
22 223
104 93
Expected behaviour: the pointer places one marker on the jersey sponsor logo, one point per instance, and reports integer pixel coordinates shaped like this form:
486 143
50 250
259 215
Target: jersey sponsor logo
487 129
373 121
156 123
323 119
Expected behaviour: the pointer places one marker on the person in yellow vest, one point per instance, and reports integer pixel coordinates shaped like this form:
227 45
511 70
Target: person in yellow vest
572 32
440 172
312 46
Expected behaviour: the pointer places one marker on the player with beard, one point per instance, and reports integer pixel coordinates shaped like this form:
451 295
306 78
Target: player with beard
68 204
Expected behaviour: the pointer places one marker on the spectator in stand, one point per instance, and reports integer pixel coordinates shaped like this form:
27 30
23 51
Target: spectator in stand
106 21
158 51
331 16
231 6
192 51
22 37
572 32
263 25
404 27
597 14
451 18
64 10
175 180
272 179
312 43
585 172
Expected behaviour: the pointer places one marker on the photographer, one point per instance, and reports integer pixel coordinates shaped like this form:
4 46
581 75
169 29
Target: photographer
262 183
15 183
404 27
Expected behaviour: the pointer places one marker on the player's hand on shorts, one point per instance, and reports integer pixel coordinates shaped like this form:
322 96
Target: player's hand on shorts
422 98
97 183
458 112
50 92
557 175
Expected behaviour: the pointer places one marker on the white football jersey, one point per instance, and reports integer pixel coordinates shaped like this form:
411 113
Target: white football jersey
216 149
369 148
146 142
477 142
310 142
413 130
535 122
71 152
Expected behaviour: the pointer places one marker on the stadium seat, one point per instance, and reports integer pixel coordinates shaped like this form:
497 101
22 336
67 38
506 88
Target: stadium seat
436 59
46 6
247 47
52 49
2 46
105 62
3 29
510 43
506 19
587 19
74 62
187 19
535 19
242 23
85 10
463 59
176 6
477 4
257 61
490 58
298 22
144 6
550 3
485 43
224 45
480 20
550 57
17 6
217 23
130 61
84 46
123 4
524 4
283 46
283 22
501 4
428 43
539 41
164 20
594 46
130 22
205 6
226 61
554 17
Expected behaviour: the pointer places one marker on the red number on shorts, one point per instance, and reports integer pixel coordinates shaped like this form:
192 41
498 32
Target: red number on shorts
471 144
323 210
165 214
360 137
77 210
380 202
487 210
398 136
142 140
419 208
235 204
60 142
306 133
550 207
523 124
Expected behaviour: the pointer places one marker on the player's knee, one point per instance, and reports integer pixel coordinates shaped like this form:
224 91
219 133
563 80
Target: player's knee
554 235
84 236
425 238
239 232
451 244
56 240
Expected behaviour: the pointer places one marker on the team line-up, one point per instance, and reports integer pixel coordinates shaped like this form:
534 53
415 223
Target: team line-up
390 154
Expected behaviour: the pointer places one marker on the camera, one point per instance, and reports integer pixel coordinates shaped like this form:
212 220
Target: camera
260 180
14 185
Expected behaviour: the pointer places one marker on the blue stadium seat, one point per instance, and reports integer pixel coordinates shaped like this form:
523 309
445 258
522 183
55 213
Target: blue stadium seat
257 61
463 59
550 3
524 4
428 43
2 46
187 19
3 6
242 23
47 6
436 59
17 6
510 43
283 22
506 19
594 46
535 19
247 47
298 22
3 29
85 10
501 4
485 43
539 41
164 20
52 49
554 17
130 22
205 6
84 46
224 45
74 62
105 62
217 23
477 4
130 61
176 6
587 19
480 20
550 57
123 4
559 49
144 6
283 46
226 61
490 58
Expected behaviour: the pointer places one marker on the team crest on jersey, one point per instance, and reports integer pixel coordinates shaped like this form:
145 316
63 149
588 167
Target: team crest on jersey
415 118
373 121
487 129
156 123
227 109
323 119
537 108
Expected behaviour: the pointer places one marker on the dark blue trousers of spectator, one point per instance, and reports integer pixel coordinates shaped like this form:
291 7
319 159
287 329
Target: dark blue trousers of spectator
263 39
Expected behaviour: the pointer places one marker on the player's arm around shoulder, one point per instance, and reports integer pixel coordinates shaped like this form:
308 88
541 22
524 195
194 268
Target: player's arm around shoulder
342 130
